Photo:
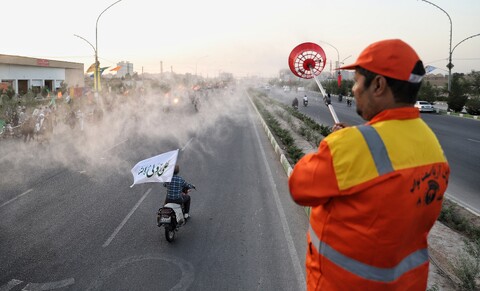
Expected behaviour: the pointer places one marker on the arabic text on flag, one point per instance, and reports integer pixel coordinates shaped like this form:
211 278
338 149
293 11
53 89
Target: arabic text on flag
155 169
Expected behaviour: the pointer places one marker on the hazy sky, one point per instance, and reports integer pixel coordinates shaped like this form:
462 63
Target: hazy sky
241 37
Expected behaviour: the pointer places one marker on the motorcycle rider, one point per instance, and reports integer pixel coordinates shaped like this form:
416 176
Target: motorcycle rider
349 101
305 100
176 191
295 103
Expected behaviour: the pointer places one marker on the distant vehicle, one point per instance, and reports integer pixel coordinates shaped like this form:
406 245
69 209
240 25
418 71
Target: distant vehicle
424 106
301 89
286 88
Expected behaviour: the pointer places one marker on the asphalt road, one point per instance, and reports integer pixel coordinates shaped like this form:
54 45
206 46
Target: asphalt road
70 221
459 137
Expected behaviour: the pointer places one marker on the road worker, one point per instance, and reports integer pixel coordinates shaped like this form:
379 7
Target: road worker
374 190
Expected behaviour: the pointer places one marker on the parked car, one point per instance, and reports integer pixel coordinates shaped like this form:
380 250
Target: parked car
424 106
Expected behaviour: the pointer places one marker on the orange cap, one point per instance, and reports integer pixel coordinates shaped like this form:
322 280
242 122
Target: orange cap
391 58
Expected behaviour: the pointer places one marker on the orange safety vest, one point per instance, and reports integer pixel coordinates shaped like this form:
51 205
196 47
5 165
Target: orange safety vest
375 191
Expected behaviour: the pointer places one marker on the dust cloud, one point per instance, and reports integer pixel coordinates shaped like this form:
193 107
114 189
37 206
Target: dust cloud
174 118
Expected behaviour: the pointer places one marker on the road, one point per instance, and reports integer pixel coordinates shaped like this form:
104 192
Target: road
70 221
459 137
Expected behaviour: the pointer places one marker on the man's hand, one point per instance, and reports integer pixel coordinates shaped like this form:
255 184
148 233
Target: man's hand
339 126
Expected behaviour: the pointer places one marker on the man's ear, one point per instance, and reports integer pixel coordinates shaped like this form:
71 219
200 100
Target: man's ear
379 84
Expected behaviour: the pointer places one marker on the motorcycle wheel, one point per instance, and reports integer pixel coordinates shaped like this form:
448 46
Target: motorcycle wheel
169 233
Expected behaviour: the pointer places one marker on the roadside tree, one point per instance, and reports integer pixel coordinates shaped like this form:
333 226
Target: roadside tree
473 106
458 93
473 103
428 92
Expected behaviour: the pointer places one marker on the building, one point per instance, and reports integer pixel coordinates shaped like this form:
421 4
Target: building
436 80
126 68
24 73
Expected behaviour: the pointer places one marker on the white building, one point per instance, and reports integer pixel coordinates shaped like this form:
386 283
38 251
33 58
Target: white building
126 68
24 73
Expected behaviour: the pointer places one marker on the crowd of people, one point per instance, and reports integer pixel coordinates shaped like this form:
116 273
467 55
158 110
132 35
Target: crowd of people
37 124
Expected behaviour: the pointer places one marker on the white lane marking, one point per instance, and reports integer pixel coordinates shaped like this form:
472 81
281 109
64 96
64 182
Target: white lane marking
474 140
111 148
116 145
188 142
15 198
10 285
49 285
469 208
288 236
186 268
112 236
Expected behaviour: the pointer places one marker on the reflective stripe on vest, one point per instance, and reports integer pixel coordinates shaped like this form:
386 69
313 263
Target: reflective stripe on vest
410 262
377 149
365 271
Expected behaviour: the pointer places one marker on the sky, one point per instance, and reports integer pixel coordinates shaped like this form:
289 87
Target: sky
245 38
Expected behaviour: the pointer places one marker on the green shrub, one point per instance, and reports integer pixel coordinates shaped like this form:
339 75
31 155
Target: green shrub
307 120
473 106
293 153
467 267
451 216
10 92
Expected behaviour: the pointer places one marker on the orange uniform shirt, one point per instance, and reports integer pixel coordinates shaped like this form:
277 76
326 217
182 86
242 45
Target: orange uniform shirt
375 192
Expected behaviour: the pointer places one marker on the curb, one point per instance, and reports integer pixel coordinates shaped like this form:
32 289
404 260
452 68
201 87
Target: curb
456 114
283 160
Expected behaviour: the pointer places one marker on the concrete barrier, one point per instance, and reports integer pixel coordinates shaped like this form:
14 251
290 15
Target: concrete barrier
283 159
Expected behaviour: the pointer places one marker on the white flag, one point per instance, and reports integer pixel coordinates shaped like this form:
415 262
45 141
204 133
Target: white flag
429 68
155 169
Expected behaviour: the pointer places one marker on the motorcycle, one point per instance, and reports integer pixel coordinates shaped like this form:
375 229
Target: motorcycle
295 104
171 217
305 102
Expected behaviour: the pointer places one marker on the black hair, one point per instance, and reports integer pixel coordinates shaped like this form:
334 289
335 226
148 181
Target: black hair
403 91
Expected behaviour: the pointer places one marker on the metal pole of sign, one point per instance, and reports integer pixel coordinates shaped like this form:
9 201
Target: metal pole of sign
325 99
450 51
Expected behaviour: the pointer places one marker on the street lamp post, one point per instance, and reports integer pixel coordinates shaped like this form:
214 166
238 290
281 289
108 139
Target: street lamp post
345 59
472 36
338 54
337 65
95 51
97 63
450 51
341 63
